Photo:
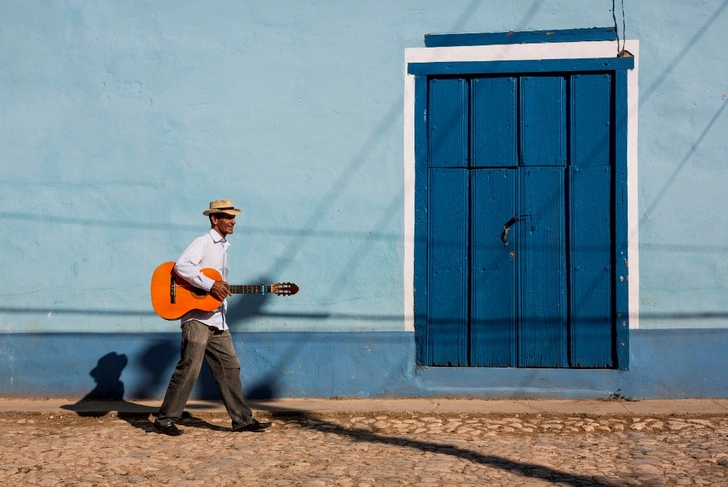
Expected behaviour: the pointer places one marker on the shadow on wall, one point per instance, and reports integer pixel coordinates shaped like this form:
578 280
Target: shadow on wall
107 375
157 363
109 391
160 357
240 311
108 396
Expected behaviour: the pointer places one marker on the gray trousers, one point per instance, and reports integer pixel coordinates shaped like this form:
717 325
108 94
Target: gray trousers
216 346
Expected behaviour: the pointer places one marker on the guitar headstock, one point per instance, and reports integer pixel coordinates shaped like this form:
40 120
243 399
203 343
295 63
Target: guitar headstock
284 288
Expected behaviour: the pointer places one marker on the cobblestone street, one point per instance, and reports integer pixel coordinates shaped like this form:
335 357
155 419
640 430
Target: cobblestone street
377 449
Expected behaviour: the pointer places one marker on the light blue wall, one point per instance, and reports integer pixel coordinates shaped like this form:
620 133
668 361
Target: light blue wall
120 121
682 154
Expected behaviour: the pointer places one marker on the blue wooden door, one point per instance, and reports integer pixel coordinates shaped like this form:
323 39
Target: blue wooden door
519 221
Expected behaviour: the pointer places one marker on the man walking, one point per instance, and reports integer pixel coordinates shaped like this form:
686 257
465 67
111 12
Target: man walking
206 334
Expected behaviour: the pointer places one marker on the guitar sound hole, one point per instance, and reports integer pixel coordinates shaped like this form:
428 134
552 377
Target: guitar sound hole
199 293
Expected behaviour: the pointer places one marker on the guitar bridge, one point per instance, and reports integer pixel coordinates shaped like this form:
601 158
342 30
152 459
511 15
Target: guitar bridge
173 289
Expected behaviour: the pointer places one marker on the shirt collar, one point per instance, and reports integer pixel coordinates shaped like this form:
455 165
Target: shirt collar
216 237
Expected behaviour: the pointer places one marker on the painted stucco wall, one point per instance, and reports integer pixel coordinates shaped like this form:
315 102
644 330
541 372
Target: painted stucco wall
120 121
683 150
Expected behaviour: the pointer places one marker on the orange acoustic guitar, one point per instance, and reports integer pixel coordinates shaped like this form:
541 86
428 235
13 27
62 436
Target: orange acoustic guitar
172 296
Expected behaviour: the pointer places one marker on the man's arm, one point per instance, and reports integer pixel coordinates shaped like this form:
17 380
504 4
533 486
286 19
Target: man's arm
188 267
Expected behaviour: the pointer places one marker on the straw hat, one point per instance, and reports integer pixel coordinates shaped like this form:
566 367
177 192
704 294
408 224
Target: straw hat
222 206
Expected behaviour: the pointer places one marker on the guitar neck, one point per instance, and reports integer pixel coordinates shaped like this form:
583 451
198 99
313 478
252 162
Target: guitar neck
249 288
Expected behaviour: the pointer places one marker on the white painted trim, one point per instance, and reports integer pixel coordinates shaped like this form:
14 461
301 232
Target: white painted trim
565 50
632 188
409 200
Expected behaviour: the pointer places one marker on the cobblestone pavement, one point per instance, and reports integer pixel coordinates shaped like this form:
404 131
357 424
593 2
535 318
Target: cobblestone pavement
375 449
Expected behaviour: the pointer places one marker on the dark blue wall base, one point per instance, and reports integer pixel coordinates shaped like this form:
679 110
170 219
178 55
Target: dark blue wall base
685 363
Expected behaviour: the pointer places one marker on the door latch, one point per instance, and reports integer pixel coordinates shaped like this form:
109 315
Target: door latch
509 224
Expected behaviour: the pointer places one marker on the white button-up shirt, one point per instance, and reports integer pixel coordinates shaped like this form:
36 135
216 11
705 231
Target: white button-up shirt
209 250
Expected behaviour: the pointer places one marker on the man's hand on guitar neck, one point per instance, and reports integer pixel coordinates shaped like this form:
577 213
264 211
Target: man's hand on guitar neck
220 291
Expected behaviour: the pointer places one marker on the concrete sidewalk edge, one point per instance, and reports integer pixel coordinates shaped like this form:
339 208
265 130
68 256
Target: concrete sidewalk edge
718 406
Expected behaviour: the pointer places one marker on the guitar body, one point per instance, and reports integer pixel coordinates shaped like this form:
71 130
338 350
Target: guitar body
186 296
173 297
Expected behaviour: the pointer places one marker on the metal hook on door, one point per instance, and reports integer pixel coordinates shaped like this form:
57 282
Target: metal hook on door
507 228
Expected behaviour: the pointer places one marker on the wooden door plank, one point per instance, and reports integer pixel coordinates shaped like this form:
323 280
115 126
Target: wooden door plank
591 326
543 120
447 310
448 129
543 313
493 269
494 138
591 116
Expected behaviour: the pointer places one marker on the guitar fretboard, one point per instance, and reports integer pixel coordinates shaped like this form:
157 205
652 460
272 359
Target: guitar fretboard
248 288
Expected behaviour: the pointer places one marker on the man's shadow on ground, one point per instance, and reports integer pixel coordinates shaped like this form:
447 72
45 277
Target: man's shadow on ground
108 397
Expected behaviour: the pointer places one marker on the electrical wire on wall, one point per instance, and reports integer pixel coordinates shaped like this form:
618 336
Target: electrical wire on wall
621 52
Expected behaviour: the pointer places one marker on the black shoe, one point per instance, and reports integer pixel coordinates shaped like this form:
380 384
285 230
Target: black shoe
167 428
255 425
